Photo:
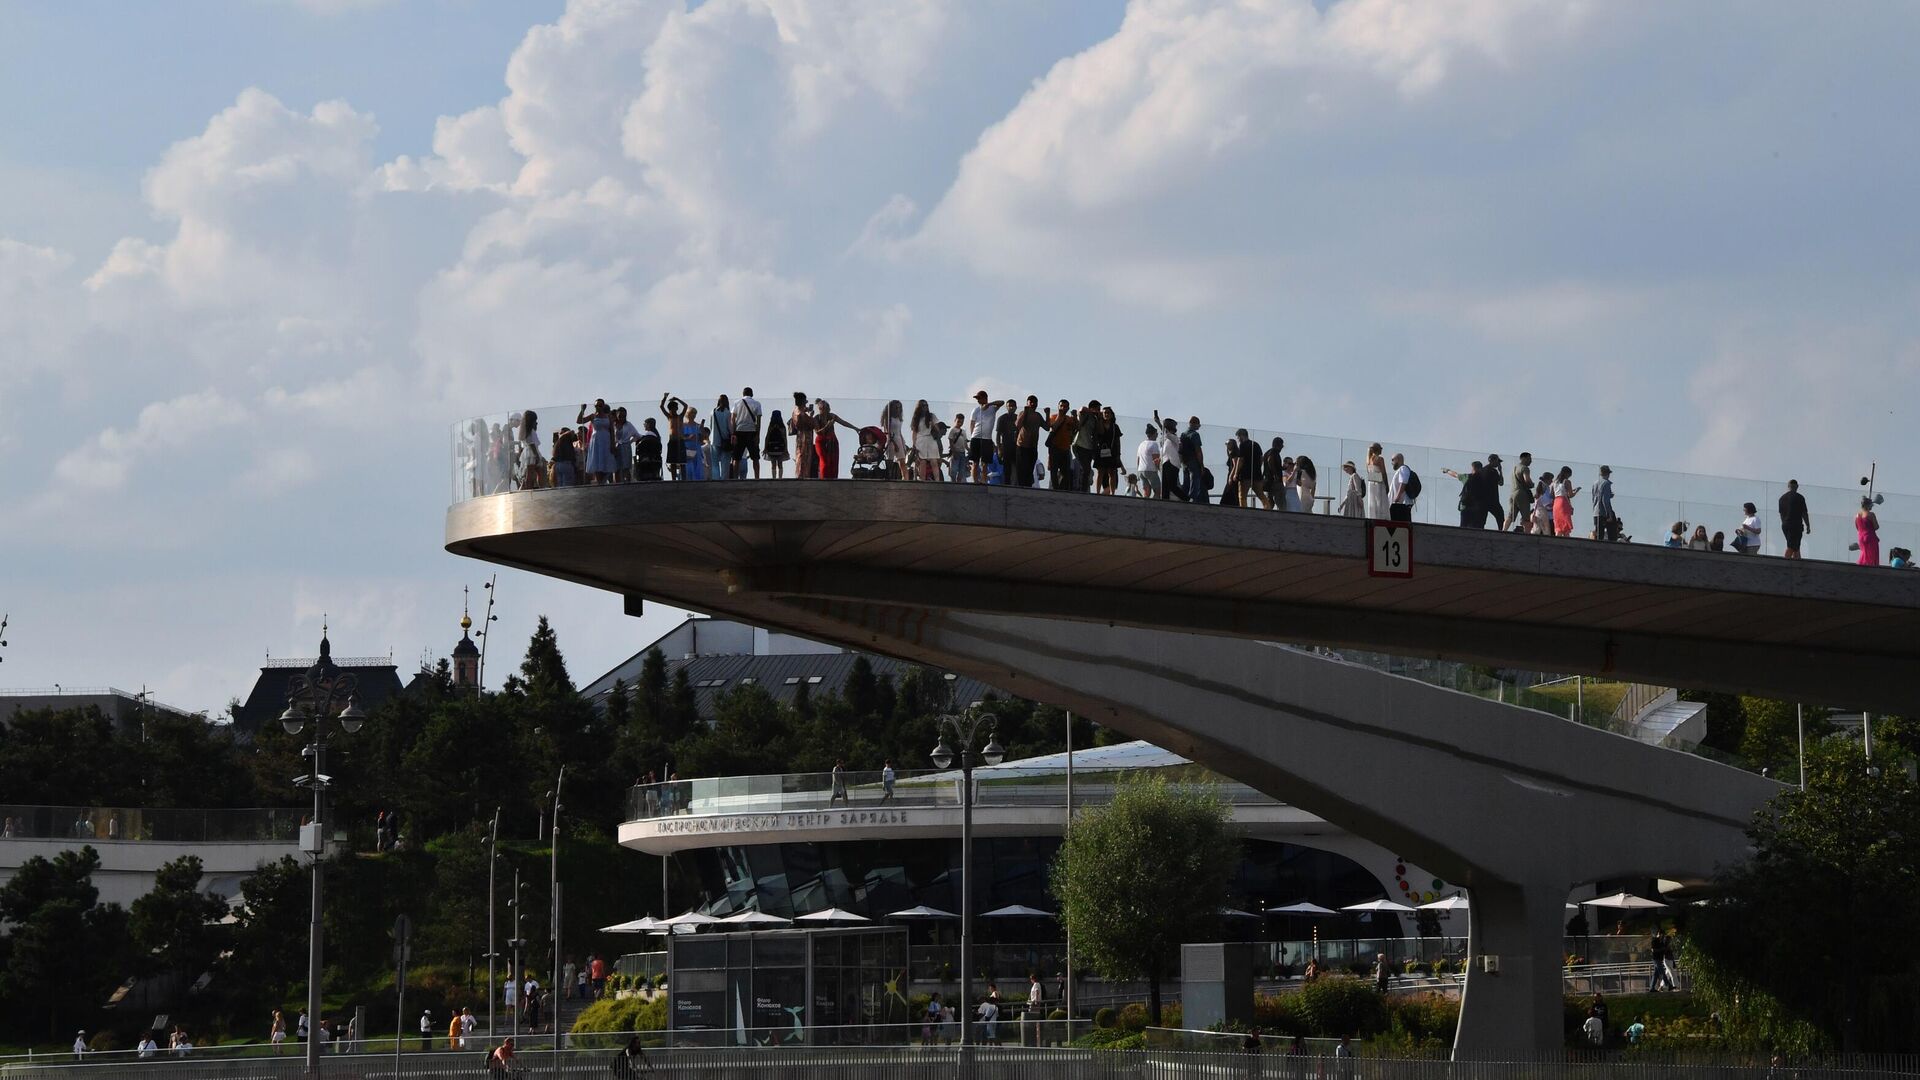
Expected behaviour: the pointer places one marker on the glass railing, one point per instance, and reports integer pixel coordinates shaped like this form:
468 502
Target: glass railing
491 455
999 786
98 824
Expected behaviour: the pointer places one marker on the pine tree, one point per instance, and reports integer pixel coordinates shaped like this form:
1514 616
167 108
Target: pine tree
544 669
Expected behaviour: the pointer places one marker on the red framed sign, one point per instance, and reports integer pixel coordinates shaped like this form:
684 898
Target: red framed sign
1389 549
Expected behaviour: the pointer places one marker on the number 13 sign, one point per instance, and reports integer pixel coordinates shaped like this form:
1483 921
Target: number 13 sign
1389 549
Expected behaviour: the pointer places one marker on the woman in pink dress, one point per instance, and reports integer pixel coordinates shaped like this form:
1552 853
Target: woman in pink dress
1868 527
1563 493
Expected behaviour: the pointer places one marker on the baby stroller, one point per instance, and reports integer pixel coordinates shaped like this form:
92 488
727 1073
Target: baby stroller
870 461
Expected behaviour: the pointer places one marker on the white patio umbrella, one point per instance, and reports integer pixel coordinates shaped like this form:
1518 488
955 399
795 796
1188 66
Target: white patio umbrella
1236 913
832 915
1451 903
1302 908
687 923
1016 911
636 926
921 911
1379 905
1623 901
753 918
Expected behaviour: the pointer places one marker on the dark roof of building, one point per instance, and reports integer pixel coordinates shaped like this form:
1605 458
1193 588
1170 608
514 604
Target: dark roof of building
780 676
268 699
466 647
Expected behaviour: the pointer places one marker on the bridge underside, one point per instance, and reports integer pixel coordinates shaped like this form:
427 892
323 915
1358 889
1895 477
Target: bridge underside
1822 633
1517 806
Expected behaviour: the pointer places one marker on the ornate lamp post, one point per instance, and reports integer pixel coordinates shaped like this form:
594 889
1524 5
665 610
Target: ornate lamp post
321 693
965 727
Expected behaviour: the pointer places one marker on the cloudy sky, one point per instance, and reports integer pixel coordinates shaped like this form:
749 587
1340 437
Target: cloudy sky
257 256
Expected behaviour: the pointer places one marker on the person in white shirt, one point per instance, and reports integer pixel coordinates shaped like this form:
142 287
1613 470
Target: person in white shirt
426 1029
1147 461
80 1045
989 1020
1170 462
147 1047
1402 508
1746 538
509 993
467 1024
624 436
746 431
980 434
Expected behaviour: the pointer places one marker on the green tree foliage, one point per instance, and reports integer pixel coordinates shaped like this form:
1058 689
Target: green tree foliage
1809 944
544 670
269 955
63 951
1143 874
1770 734
173 924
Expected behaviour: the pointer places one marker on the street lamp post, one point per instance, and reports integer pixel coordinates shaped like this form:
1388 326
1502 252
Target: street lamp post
323 691
516 942
553 881
493 953
965 726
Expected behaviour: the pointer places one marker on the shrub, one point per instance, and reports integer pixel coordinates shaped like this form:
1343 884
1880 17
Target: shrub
622 1015
1281 1014
1134 1016
1111 1038
1442 966
1427 1017
1339 1005
1057 1014
1171 1015
1104 1017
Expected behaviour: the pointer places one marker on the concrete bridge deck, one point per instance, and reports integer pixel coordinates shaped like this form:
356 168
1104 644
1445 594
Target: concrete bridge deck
1821 632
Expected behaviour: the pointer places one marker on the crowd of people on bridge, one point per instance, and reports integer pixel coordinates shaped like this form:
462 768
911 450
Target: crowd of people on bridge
1022 443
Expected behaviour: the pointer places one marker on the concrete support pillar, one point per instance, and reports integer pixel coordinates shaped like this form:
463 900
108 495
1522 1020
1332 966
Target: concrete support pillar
1513 1013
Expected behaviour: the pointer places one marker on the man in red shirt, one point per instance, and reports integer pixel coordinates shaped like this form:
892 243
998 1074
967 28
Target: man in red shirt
597 971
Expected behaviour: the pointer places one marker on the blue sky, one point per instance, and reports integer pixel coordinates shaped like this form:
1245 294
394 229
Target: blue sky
255 257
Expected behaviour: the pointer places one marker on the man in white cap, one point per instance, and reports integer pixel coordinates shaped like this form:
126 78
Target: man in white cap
80 1045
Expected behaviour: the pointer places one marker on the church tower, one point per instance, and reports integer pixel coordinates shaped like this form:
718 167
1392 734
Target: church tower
466 658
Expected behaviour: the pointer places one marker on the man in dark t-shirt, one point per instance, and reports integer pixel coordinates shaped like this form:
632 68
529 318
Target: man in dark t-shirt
1794 519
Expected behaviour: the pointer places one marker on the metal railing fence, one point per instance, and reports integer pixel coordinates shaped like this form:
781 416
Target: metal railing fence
1274 1061
110 824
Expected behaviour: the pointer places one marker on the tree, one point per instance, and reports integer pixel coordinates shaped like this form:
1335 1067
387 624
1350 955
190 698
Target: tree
1770 737
270 942
1145 873
544 669
1809 944
64 950
174 922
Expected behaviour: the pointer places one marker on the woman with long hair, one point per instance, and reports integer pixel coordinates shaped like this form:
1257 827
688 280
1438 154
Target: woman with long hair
1700 541
1563 493
926 441
826 442
1376 475
891 416
1305 482
1543 505
721 454
530 466
694 434
597 430
805 467
1866 527
776 448
1109 466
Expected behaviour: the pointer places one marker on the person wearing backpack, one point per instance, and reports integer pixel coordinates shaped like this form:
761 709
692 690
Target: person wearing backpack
1406 490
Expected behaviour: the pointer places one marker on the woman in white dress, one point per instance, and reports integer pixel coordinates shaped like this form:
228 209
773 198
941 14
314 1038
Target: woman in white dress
1376 483
1353 502
926 442
896 451
1289 489
1305 480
